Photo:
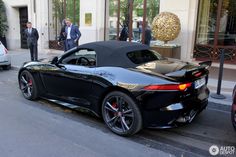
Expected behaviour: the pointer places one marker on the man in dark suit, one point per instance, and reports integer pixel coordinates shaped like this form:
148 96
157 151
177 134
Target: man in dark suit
32 41
62 37
72 35
124 32
148 35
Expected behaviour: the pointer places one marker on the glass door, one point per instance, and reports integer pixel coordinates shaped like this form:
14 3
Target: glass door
216 30
206 28
58 11
125 21
226 36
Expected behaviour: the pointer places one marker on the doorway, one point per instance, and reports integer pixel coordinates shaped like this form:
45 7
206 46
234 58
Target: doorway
23 15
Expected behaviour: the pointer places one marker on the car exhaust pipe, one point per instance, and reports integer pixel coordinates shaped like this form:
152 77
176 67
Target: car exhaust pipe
188 118
183 119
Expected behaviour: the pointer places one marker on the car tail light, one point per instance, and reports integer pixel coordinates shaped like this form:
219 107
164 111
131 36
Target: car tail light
198 74
169 87
6 51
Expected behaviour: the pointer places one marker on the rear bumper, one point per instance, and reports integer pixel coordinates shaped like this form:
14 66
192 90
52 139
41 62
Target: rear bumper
173 115
166 110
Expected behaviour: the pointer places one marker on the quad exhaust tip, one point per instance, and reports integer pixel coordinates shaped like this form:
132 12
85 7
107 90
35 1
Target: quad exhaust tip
188 118
183 119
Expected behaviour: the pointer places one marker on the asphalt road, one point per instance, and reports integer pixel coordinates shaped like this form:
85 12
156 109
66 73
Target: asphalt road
43 129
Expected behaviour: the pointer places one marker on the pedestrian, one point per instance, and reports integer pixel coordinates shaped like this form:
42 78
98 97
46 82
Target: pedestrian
124 32
32 41
72 35
62 37
148 35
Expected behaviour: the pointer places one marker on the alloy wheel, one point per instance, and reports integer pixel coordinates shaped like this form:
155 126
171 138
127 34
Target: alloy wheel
118 114
26 85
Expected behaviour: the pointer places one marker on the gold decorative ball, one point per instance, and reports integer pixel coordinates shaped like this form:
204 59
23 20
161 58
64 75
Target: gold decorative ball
166 26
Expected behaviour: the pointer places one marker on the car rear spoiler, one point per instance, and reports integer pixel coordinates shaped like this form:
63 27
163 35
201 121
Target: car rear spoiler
189 74
206 64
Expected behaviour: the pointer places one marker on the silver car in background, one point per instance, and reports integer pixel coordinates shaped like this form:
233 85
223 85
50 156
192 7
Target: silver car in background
5 59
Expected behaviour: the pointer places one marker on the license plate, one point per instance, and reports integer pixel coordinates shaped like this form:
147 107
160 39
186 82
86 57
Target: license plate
199 83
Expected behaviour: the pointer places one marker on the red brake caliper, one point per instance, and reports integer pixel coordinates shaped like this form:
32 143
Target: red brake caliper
30 82
115 106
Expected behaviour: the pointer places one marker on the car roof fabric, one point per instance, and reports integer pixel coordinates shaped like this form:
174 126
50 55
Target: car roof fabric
114 53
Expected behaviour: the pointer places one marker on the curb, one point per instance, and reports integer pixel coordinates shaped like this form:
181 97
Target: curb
220 107
220 102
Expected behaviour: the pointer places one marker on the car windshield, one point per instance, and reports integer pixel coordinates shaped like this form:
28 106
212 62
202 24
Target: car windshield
144 56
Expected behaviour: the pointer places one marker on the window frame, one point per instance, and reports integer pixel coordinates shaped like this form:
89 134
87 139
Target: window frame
155 53
76 51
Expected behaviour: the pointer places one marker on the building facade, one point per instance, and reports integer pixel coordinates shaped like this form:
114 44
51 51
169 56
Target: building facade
207 26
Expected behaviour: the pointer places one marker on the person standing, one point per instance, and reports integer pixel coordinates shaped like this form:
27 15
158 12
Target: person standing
32 41
148 35
62 37
72 35
124 32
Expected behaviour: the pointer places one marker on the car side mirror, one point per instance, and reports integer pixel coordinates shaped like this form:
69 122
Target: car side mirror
54 60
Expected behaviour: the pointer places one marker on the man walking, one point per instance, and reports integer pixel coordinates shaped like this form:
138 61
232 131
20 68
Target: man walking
72 35
32 41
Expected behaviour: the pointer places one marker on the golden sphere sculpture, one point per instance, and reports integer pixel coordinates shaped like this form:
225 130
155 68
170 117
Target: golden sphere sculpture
166 26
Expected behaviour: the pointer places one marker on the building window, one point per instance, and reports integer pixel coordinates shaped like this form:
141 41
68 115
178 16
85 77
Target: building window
216 30
58 11
130 14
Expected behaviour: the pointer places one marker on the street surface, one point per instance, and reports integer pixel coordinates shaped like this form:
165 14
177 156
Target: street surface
43 129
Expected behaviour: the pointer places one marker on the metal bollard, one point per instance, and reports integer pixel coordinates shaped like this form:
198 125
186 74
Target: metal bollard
217 95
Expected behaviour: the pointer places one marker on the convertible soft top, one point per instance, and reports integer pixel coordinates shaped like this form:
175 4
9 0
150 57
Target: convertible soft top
114 53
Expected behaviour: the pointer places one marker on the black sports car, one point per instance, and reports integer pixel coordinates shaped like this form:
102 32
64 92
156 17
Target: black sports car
127 84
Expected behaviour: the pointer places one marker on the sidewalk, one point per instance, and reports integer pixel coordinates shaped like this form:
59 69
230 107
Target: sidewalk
228 83
20 56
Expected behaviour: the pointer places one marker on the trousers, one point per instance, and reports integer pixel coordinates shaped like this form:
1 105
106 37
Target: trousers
69 44
33 52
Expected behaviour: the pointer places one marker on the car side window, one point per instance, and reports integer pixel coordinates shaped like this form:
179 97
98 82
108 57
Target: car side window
143 56
82 57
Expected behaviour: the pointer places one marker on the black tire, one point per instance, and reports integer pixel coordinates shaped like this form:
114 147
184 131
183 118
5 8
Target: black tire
121 114
233 118
234 91
28 85
6 67
233 112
